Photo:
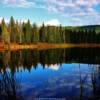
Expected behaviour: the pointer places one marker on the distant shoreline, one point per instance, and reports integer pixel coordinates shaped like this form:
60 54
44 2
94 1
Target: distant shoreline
43 46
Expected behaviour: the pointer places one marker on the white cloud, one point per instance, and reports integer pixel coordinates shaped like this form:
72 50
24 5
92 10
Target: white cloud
76 19
78 9
82 11
53 22
18 3
54 67
72 6
98 23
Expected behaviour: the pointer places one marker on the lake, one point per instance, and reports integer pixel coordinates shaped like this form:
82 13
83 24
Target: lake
59 74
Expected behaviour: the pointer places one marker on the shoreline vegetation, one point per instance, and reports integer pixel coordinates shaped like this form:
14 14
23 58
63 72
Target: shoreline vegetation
44 46
16 35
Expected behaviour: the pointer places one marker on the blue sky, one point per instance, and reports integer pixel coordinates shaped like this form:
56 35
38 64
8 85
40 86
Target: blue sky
65 12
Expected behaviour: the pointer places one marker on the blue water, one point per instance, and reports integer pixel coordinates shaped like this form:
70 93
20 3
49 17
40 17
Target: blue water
58 81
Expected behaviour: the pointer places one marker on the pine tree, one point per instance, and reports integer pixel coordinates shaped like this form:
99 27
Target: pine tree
35 34
12 30
5 33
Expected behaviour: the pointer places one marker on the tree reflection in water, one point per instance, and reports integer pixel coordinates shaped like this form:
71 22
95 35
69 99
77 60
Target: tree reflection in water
11 62
8 85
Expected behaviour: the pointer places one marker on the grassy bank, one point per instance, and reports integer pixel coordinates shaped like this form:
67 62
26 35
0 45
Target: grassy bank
46 46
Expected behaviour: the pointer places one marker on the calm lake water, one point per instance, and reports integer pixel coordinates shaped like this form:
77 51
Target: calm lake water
66 74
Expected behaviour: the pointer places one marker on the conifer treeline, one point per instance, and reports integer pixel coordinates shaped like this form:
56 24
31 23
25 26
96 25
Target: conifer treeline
26 33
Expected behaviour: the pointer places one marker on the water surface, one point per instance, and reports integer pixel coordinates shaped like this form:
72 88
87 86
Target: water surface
60 73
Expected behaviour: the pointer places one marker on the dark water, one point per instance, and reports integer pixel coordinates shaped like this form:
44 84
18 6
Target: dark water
62 74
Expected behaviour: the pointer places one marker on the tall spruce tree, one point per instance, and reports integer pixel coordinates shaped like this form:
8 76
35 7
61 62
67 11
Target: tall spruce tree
5 33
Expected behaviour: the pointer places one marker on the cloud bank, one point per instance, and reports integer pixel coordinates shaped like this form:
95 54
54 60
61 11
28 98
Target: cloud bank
53 22
17 3
82 11
78 11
